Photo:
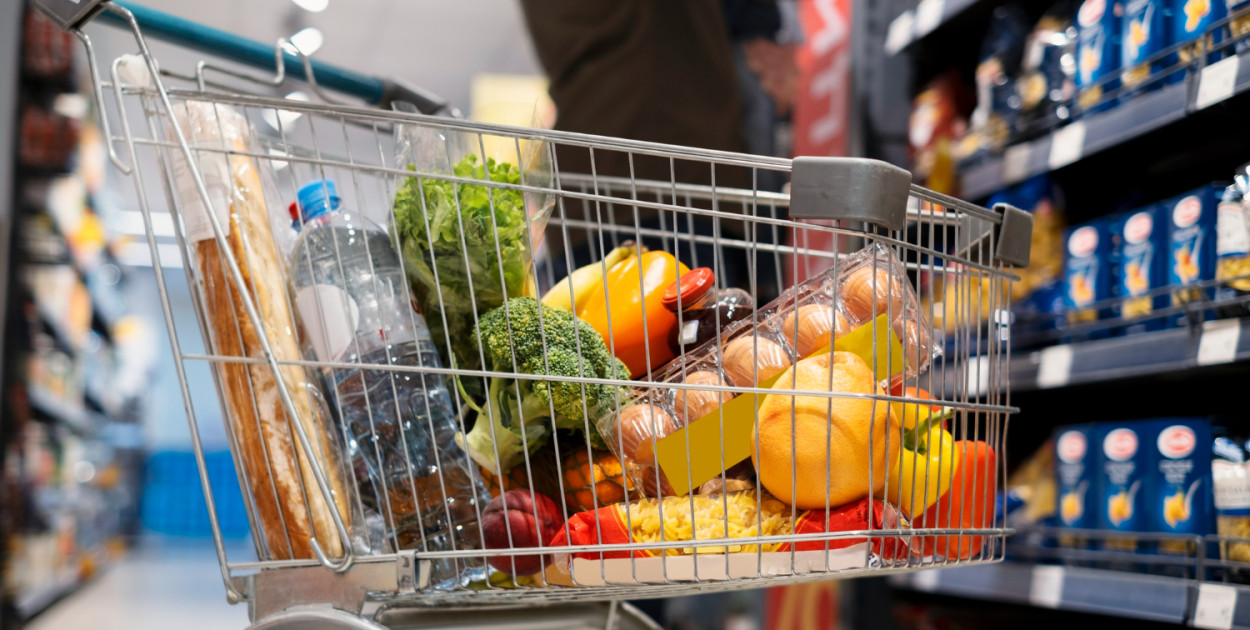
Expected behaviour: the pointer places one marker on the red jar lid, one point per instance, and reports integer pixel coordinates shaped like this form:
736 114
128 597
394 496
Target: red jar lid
691 286
293 209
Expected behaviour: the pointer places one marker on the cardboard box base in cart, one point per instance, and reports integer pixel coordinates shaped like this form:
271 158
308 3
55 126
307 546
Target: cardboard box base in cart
717 567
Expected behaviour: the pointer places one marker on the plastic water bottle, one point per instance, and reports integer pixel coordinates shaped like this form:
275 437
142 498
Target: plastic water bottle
348 288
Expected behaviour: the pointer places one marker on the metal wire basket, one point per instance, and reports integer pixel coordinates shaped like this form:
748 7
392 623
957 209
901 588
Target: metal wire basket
354 341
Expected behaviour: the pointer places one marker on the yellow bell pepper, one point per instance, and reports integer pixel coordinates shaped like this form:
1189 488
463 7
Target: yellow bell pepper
631 295
922 472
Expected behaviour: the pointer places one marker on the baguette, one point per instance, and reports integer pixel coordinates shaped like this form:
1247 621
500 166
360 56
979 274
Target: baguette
289 506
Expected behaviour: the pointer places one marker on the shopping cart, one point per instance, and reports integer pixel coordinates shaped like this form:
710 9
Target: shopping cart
366 510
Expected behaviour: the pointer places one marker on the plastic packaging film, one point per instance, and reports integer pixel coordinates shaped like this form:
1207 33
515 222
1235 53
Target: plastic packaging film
289 505
436 218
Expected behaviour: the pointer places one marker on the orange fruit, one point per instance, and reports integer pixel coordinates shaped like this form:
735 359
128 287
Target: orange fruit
823 442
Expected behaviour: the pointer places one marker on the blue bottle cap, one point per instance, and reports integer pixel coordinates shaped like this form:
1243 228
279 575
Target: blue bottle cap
317 197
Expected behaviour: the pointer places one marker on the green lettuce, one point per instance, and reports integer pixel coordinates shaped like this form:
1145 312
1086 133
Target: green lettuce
469 279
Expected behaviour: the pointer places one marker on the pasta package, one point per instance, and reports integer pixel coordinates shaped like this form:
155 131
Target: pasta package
290 509
726 518
1231 480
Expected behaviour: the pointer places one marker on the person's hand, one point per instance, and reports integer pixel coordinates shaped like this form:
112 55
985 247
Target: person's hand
777 69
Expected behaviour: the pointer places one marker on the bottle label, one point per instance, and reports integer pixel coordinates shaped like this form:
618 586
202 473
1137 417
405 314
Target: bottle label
215 169
690 332
329 316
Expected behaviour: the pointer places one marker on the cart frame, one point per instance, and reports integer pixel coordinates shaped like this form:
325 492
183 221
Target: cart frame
856 198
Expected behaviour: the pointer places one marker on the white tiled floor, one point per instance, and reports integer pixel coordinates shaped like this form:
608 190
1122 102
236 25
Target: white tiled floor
159 586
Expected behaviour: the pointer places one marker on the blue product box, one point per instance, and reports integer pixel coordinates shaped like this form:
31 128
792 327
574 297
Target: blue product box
1123 479
1087 272
1192 241
1191 19
1146 31
1041 311
1181 492
1076 462
1097 50
1140 242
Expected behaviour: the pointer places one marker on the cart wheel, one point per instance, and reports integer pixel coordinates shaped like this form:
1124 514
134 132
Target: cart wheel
314 619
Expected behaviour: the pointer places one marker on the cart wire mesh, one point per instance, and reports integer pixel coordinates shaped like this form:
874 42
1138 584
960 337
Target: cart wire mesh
353 451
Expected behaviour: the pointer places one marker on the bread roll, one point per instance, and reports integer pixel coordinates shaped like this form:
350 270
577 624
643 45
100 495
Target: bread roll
289 506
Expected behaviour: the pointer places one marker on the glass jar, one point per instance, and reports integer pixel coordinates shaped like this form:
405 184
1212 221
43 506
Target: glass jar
702 310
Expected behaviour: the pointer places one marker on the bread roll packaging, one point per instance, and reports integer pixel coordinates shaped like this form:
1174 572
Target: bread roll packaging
275 470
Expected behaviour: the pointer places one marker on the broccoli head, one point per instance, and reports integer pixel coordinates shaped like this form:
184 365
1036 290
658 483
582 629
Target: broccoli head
525 337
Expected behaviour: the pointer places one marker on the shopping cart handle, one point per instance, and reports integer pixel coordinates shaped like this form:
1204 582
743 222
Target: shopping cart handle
374 90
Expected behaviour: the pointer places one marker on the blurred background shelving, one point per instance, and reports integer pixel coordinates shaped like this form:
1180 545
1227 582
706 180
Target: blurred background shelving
71 442
982 99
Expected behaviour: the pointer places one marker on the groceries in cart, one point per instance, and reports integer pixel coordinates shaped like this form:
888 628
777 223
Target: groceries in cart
466 247
282 434
526 337
348 287
451 407
703 521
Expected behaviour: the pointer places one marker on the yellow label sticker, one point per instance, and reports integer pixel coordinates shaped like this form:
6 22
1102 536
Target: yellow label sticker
706 439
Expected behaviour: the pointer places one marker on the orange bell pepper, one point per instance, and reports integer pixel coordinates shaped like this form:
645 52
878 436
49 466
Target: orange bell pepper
969 504
631 295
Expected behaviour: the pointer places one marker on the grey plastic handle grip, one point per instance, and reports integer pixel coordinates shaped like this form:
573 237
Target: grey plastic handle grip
849 189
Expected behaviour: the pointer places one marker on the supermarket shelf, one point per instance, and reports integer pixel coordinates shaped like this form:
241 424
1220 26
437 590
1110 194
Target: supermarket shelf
1133 119
60 339
100 322
925 18
66 581
1157 352
102 313
1122 594
37 600
1136 118
48 404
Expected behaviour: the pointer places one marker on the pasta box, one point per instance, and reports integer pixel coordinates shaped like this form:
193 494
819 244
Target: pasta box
1192 219
1087 271
1076 460
1180 493
1122 477
1145 32
1191 19
1097 49
1139 241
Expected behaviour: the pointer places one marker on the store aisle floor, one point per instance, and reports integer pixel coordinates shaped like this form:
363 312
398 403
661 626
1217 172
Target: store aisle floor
162 584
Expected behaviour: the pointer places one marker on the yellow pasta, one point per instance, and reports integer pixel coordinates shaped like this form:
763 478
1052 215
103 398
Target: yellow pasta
709 520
